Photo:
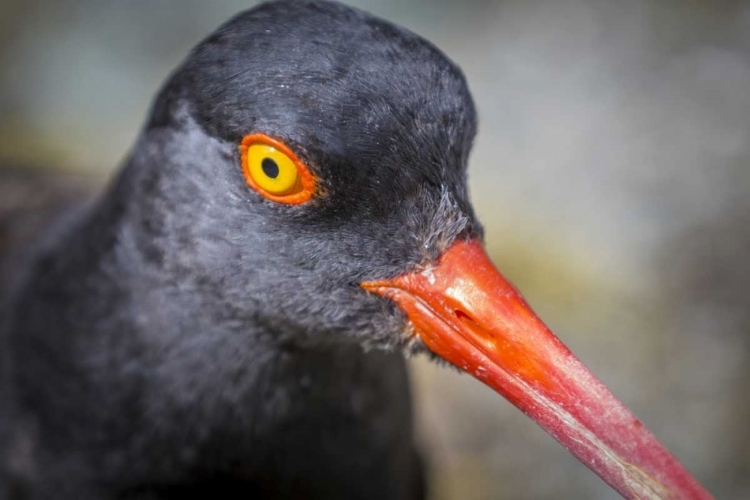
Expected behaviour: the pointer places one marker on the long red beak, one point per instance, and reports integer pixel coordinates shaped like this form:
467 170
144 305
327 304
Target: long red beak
465 311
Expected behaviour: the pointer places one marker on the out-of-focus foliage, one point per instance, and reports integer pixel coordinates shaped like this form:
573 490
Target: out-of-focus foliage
612 172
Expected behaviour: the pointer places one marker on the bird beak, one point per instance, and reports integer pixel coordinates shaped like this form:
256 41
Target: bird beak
466 312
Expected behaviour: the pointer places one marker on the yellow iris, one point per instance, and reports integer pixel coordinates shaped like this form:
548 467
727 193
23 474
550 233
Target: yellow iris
272 170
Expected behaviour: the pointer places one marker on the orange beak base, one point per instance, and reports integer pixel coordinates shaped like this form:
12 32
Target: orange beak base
466 312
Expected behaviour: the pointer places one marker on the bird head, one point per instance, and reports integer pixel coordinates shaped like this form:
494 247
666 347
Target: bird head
377 122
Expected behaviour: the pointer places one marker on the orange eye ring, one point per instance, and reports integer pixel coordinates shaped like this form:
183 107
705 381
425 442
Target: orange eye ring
289 181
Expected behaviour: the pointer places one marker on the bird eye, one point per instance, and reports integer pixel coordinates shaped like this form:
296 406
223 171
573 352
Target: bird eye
274 171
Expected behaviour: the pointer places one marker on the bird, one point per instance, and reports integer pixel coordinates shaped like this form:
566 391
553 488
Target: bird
229 316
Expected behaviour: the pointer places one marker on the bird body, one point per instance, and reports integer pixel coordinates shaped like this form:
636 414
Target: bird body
203 329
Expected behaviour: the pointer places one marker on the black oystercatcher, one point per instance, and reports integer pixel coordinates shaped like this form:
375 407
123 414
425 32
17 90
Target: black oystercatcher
218 323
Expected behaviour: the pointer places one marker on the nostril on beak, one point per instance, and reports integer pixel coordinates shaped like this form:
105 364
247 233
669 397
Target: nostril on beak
463 316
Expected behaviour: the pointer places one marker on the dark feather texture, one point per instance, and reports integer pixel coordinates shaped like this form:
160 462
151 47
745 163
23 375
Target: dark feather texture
182 336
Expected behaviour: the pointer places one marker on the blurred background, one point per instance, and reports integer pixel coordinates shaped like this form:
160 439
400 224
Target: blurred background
611 170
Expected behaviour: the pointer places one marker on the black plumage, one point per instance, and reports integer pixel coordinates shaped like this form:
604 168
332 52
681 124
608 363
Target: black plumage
182 336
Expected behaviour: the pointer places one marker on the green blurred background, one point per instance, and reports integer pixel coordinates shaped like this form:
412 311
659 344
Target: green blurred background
612 172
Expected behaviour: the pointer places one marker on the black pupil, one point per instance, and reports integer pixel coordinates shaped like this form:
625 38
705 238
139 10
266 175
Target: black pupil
270 168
